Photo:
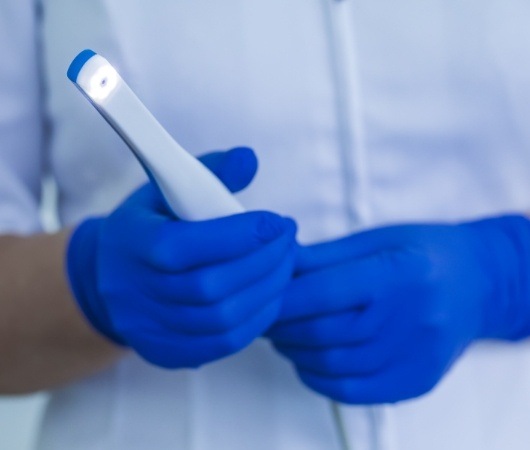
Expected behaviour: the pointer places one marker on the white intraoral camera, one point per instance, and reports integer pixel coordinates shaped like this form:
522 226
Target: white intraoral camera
189 188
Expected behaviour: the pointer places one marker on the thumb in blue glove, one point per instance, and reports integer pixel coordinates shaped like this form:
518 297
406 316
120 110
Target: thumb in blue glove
381 316
179 293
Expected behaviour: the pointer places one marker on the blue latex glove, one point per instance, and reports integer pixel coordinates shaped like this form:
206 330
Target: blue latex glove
381 316
179 293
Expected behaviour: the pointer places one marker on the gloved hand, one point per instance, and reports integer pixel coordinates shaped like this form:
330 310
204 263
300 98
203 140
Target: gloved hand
381 316
180 293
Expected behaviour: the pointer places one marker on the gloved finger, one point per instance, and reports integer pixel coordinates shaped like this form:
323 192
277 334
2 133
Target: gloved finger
211 284
149 201
230 313
346 286
368 357
399 382
236 168
345 328
174 351
180 245
338 361
356 246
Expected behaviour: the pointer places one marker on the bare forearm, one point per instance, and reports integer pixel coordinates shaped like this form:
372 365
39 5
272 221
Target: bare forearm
44 340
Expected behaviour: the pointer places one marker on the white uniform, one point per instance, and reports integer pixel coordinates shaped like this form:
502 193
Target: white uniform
362 112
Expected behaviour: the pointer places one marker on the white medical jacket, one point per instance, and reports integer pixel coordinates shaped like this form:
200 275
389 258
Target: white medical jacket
362 112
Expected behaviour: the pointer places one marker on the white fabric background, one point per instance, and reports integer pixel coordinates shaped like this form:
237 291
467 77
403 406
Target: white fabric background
19 420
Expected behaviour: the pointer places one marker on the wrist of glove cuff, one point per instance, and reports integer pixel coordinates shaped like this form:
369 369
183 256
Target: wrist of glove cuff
82 277
505 254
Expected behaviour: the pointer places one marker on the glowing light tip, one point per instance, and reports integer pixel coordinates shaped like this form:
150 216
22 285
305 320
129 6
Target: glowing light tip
103 82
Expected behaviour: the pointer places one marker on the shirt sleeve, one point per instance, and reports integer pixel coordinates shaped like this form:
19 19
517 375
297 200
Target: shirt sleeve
21 129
